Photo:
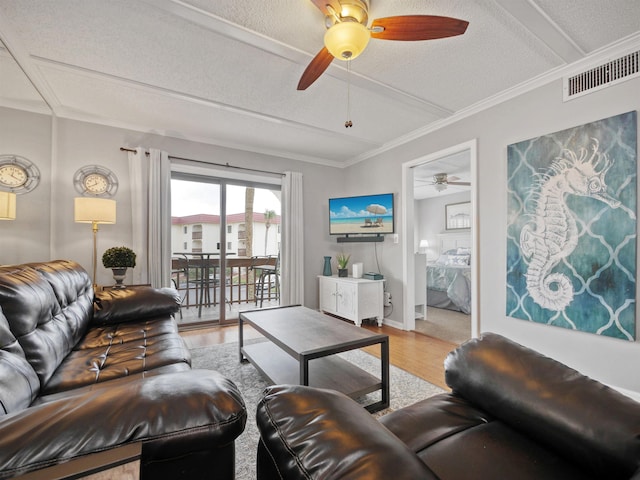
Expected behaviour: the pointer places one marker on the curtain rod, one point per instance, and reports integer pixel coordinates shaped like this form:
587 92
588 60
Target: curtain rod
226 165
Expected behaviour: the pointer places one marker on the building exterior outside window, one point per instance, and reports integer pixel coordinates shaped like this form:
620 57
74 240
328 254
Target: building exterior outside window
205 234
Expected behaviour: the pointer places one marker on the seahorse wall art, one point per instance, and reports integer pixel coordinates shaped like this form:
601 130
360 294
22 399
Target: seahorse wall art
553 233
571 253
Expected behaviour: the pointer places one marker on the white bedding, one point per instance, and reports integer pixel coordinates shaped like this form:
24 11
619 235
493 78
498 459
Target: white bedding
452 280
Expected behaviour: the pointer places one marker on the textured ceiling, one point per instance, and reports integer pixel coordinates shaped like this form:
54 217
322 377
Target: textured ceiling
225 72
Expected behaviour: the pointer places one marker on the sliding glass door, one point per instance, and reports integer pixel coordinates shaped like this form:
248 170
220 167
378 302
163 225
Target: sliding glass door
225 244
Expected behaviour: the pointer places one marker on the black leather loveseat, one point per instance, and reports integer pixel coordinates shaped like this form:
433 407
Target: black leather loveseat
79 378
512 414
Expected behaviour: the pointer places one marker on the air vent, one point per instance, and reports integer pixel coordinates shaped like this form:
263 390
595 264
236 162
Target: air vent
610 73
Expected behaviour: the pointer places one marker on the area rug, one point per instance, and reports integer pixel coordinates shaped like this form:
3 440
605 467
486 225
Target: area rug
405 388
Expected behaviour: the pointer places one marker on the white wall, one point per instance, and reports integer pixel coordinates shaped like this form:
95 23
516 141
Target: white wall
532 114
26 238
430 219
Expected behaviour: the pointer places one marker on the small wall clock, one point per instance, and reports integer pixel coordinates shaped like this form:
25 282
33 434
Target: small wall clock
96 181
18 174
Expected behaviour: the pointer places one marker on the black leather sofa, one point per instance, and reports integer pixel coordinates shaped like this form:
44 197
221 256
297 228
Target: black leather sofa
512 414
81 376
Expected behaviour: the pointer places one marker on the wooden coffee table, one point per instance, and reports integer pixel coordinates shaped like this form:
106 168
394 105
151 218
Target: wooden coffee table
301 346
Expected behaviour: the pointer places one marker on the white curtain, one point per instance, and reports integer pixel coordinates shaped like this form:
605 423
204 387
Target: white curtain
151 216
292 261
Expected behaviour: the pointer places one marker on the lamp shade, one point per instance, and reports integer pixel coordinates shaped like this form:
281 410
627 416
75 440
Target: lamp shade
7 206
424 243
346 40
98 210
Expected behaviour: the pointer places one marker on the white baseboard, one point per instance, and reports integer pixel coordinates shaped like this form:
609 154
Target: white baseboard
393 323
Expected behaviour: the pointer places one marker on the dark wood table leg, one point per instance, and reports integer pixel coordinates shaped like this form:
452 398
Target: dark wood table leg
384 358
304 370
240 338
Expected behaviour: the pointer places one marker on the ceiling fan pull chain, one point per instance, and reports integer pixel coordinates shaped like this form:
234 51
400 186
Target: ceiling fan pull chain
348 123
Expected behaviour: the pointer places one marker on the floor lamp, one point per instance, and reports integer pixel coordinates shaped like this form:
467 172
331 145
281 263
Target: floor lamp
7 206
94 211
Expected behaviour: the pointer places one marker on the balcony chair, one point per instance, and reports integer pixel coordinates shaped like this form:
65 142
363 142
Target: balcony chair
199 276
268 274
179 267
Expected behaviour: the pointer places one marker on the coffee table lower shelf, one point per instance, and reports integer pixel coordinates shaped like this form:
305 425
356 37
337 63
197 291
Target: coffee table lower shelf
330 372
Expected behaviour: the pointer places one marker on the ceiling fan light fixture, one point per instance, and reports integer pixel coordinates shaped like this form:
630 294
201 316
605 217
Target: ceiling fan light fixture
440 178
346 40
440 187
356 10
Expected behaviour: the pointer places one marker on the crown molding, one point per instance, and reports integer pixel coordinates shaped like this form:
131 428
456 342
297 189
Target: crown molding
69 114
622 47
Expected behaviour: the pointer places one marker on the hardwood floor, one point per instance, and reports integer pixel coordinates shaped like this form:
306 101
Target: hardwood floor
414 352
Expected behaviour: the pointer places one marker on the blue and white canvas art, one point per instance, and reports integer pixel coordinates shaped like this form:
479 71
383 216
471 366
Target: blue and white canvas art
571 228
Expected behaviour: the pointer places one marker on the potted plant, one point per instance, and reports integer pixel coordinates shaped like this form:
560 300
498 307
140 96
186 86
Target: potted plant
118 259
343 261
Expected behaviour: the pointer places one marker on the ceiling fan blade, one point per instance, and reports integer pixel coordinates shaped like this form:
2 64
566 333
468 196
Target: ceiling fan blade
322 6
417 27
467 184
316 68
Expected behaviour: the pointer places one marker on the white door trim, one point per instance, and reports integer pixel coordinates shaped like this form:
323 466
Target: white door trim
408 275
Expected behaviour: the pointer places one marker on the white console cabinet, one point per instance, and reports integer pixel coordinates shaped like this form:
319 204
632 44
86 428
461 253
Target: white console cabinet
352 298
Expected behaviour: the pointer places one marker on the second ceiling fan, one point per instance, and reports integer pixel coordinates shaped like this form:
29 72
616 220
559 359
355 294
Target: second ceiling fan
347 32
441 181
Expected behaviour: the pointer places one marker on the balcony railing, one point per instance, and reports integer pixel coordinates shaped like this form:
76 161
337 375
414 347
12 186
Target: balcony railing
191 274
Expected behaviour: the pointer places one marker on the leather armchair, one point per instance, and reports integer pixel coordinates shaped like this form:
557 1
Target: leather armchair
512 413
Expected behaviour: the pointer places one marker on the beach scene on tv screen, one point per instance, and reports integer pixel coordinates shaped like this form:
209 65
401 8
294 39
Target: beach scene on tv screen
365 214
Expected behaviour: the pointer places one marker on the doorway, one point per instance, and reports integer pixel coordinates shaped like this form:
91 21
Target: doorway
225 247
440 227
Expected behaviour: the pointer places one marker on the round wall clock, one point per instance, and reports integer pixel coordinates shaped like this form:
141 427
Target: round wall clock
18 174
96 181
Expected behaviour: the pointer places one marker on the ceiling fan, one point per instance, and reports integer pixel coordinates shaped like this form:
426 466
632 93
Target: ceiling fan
347 32
441 181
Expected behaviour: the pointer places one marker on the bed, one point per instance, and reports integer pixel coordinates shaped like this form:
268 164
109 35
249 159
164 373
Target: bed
449 285
449 276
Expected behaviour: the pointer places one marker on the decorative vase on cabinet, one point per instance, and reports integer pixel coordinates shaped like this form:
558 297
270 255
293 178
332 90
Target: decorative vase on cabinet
327 267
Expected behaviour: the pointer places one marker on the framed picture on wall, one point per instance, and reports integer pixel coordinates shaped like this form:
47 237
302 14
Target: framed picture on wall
457 216
572 228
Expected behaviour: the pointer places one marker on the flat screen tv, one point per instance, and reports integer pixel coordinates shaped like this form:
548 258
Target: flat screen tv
365 214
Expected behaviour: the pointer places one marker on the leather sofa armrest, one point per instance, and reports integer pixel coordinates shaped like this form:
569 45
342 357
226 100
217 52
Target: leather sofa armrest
309 433
583 420
176 412
133 304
